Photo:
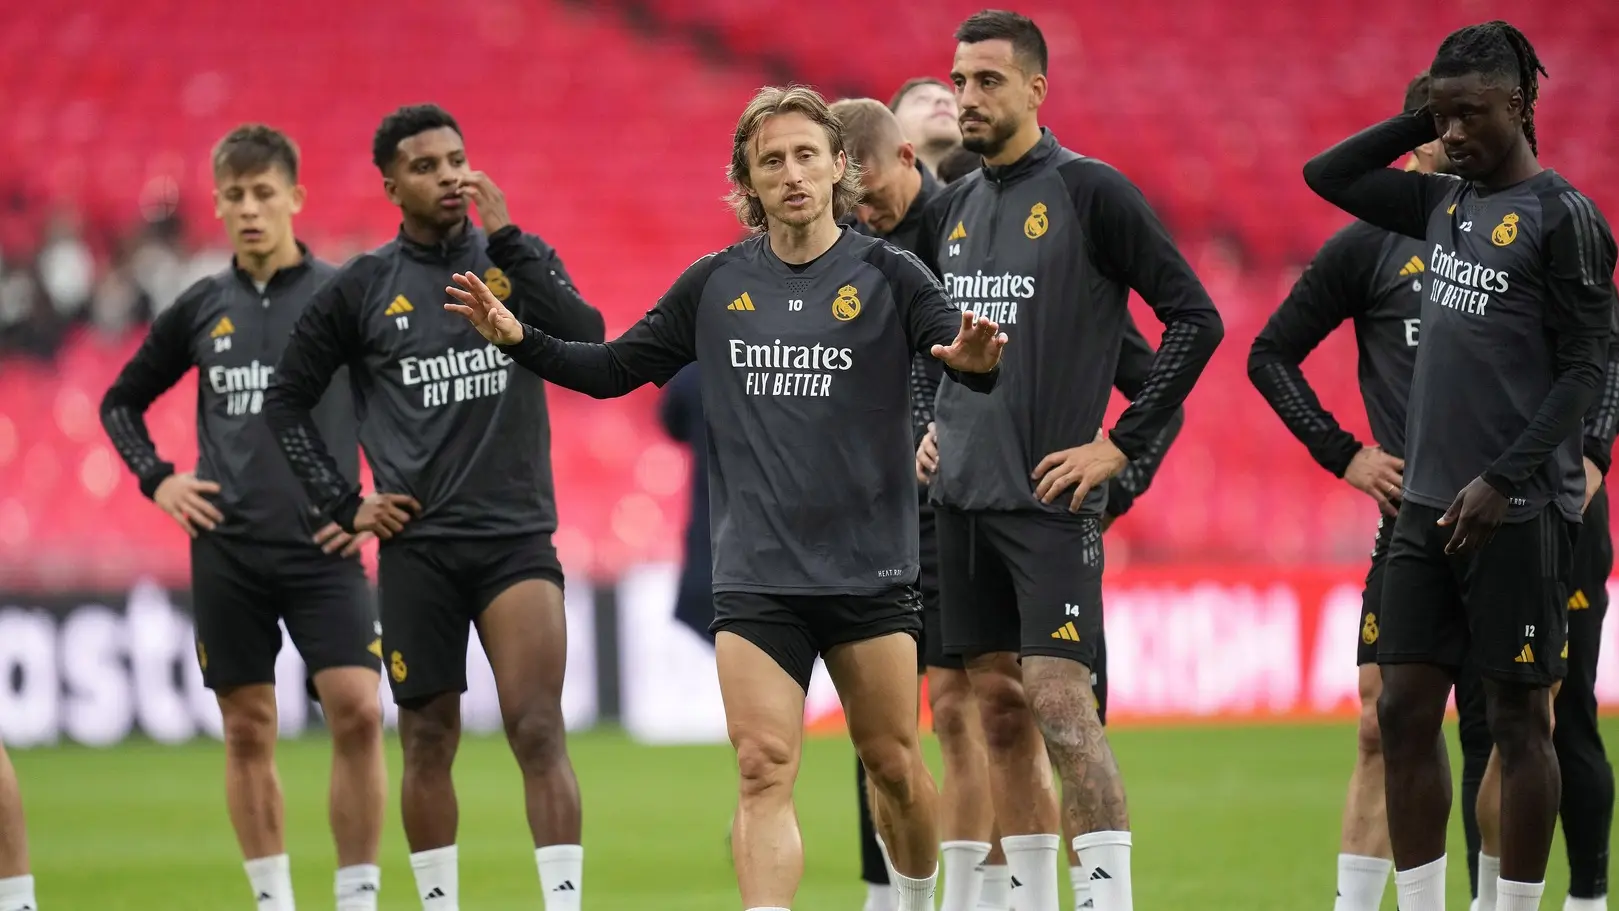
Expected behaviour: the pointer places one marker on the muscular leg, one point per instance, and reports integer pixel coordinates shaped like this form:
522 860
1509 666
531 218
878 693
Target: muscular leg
764 714
429 735
349 699
1487 814
1416 772
252 788
965 811
876 679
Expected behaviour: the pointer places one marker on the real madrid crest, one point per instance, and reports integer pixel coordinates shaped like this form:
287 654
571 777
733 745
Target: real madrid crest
1036 224
498 283
846 306
1507 231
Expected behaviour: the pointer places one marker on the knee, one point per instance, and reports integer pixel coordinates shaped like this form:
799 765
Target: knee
950 705
1404 722
1063 705
538 736
250 731
1003 708
429 740
888 764
1370 733
355 720
764 763
1520 725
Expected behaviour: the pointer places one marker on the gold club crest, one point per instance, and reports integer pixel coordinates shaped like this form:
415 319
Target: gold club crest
1036 224
202 656
846 306
396 667
1507 231
1368 630
498 283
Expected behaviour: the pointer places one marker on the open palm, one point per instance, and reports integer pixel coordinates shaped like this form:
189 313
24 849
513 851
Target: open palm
484 310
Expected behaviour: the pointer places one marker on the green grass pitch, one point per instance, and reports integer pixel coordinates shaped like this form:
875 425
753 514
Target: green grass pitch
1224 818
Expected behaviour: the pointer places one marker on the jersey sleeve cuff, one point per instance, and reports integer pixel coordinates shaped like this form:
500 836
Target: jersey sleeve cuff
1337 461
155 478
1499 481
1600 456
344 512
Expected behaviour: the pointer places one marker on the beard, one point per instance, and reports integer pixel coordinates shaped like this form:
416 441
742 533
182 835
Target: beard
1000 133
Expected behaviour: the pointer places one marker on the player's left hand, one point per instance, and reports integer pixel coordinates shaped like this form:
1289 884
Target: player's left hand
333 539
1084 467
977 347
478 189
1476 512
1593 483
484 310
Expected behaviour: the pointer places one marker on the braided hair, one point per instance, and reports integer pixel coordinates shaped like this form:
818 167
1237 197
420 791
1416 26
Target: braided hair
1494 49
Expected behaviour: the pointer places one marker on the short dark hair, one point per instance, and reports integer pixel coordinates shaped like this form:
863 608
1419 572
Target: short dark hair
404 123
1416 93
1028 44
958 164
916 83
1496 49
253 147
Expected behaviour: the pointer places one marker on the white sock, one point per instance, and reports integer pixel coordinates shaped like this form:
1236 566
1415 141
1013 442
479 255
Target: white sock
1032 862
963 873
1080 882
1421 888
271 878
997 890
880 897
888 862
1585 904
561 875
17 894
357 887
1107 856
1489 873
1361 881
915 894
1516 896
437 879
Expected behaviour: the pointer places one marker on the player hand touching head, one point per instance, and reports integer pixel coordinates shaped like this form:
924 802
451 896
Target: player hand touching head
977 347
485 311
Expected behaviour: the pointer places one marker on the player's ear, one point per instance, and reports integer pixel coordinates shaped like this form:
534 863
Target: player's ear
839 165
219 204
907 154
296 198
1515 102
392 189
1038 86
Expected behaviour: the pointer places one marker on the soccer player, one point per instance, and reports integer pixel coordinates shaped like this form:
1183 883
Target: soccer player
259 554
1373 279
926 110
16 884
958 164
1516 317
1051 242
804 333
459 445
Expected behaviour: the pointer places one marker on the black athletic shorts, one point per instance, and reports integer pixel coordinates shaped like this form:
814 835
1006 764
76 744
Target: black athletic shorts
1371 598
932 652
240 589
796 629
1025 582
1504 607
433 589
1588 594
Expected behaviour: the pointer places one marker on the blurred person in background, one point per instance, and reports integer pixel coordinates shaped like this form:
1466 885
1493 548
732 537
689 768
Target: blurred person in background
459 444
958 164
258 555
16 884
926 110
681 411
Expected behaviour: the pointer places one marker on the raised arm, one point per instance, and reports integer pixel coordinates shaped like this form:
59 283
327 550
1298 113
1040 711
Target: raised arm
1354 176
543 294
162 359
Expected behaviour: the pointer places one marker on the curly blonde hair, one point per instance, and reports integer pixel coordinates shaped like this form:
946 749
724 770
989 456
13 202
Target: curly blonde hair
771 101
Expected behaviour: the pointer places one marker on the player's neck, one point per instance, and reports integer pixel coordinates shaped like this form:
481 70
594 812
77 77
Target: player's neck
799 244
1520 165
428 234
912 188
1026 138
932 155
261 267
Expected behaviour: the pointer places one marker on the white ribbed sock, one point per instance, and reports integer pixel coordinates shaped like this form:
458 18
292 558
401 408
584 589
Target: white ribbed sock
1489 874
1080 882
1361 882
562 870
963 873
358 886
437 879
1585 904
17 893
1422 888
1516 896
997 891
1032 861
880 897
915 894
271 878
1107 856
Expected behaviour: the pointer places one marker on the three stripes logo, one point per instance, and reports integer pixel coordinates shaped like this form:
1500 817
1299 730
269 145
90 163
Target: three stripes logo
397 310
435 893
567 886
1578 601
960 233
1066 632
222 328
742 303
1527 656
1413 266
1099 873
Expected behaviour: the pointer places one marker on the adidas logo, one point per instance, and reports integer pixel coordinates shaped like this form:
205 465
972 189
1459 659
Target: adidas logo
567 886
960 233
1088 903
264 897
222 328
742 303
398 307
436 893
1527 656
1412 267
1578 601
1099 873
1066 632
366 887
1015 882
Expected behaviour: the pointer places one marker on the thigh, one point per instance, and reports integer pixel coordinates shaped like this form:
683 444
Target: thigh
1371 598
1421 620
329 610
764 703
1516 593
1056 567
235 612
524 632
426 619
770 626
876 682
493 566
978 605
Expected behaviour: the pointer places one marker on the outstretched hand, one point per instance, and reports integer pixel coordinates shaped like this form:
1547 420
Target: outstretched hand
977 346
483 310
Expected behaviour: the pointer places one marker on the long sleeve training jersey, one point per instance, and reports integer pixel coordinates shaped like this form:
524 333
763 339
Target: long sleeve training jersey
233 332
443 417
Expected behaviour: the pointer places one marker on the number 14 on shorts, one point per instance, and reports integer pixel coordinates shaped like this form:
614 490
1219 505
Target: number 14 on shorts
1070 610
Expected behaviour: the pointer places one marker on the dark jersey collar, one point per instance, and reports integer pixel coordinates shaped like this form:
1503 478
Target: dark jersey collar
281 276
447 250
1032 160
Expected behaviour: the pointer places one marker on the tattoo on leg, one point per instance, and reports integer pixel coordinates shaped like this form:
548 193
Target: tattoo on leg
1092 790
